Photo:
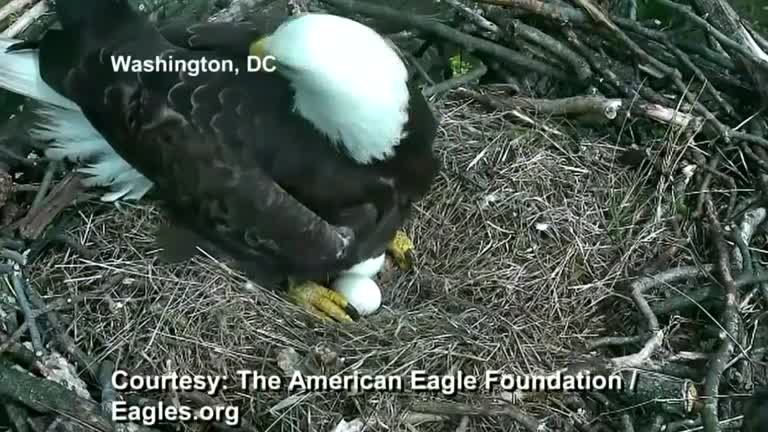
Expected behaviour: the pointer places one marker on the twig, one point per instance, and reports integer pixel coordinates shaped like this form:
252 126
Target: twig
641 285
708 168
463 424
549 10
683 425
477 72
709 414
236 11
554 46
641 357
723 39
418 68
61 196
45 184
474 16
700 295
14 7
415 418
20 355
14 256
64 342
638 288
752 155
455 408
606 71
75 245
688 356
759 39
12 244
18 416
701 77
21 289
15 336
706 53
108 393
27 19
626 423
430 26
495 104
711 168
615 341
48 397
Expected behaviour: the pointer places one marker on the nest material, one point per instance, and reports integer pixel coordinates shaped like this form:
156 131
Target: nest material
519 243
537 250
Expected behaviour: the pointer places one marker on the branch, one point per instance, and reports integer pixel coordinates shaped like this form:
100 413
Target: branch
48 397
455 409
727 42
26 19
23 296
709 415
435 28
474 74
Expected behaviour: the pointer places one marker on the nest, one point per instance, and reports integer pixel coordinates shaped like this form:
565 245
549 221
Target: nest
520 242
600 212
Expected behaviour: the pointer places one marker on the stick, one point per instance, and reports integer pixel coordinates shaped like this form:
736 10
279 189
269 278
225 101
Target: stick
430 26
14 7
64 342
548 10
236 11
474 74
454 408
21 288
20 355
48 397
18 416
494 103
61 196
709 416
108 393
45 183
723 39
475 17
27 19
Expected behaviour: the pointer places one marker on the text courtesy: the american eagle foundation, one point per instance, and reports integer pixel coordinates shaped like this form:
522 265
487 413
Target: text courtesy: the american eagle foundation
416 381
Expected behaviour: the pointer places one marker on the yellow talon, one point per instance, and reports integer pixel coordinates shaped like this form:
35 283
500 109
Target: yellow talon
321 301
402 250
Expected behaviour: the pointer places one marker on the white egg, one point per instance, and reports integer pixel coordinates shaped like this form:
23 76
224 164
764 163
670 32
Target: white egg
369 268
360 291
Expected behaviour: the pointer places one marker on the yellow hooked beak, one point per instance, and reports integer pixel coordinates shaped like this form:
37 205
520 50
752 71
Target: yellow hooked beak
258 48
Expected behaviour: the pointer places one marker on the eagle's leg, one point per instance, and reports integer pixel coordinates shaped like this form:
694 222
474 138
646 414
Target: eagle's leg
402 250
321 301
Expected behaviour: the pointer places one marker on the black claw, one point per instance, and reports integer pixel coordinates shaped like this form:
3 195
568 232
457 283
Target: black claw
352 312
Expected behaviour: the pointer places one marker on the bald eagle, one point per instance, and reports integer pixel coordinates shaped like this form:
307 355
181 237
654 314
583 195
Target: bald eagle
298 171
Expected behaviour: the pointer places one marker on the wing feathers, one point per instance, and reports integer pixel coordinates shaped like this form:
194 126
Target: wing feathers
230 158
20 73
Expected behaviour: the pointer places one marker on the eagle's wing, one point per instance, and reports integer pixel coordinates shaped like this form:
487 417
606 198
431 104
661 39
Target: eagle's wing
224 38
225 150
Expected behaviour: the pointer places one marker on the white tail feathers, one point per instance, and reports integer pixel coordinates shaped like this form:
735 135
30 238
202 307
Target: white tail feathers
70 134
20 73
73 138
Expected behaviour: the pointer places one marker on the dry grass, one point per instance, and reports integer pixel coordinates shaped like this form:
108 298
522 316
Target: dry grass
521 242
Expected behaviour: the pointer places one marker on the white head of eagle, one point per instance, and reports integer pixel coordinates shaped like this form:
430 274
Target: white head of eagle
349 82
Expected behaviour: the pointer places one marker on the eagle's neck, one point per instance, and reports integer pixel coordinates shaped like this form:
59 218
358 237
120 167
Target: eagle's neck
364 115
348 81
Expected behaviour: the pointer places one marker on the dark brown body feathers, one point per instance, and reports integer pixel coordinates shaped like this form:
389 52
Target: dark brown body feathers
229 157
